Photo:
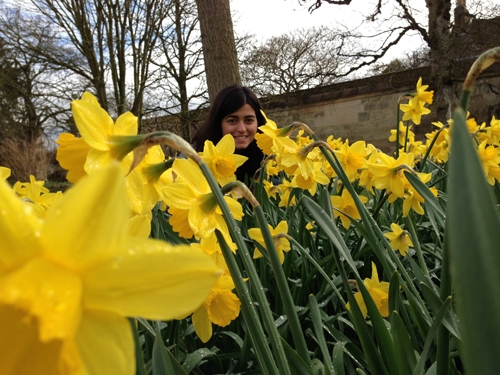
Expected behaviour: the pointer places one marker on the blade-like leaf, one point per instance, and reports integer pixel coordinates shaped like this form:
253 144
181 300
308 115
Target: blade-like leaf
473 234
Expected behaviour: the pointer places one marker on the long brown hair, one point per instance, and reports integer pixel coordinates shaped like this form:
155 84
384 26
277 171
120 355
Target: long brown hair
227 101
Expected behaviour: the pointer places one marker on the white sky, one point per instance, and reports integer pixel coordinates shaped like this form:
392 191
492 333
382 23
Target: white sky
266 18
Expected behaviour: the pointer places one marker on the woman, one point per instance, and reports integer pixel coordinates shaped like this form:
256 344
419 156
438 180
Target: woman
236 110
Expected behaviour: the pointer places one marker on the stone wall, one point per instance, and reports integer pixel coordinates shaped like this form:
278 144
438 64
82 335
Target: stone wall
366 109
363 109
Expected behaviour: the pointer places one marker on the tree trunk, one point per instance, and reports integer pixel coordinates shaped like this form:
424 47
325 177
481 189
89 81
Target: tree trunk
219 48
441 57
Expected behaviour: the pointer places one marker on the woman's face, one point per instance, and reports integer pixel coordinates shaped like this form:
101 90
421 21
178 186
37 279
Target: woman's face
242 125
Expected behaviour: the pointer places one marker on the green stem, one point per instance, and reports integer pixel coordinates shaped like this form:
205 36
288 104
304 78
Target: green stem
363 211
410 223
271 329
443 338
284 290
262 351
318 330
139 359
304 253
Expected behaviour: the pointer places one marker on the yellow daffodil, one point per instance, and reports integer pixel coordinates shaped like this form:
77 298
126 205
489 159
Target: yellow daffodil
379 291
366 177
402 132
389 172
313 179
281 243
490 160
417 148
99 131
352 158
414 110
221 159
421 94
412 200
440 151
4 173
71 155
68 282
400 239
269 132
98 148
345 208
334 143
271 189
286 189
37 195
493 131
193 198
294 156
221 307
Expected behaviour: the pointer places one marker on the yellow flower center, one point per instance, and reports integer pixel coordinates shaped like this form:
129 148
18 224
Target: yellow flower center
223 166
44 290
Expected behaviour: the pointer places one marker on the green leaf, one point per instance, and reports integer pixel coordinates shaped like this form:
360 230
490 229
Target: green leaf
318 330
430 200
473 236
384 339
297 365
338 358
435 303
163 362
402 344
419 368
196 358
330 229
393 292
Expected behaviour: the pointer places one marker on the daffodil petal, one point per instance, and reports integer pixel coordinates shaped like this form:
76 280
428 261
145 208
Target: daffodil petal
71 155
126 124
93 123
202 324
106 344
98 159
86 225
22 352
19 228
151 279
4 173
192 175
178 195
226 145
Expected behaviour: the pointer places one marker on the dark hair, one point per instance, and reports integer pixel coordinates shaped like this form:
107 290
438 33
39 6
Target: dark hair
227 101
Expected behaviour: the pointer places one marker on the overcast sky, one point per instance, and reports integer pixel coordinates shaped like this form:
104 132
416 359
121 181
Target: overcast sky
266 18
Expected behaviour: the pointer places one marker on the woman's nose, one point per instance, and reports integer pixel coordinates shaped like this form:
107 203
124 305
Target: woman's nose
241 126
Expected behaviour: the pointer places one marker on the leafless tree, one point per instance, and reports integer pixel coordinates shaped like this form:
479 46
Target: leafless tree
448 36
294 61
35 94
179 88
116 40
